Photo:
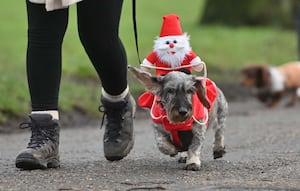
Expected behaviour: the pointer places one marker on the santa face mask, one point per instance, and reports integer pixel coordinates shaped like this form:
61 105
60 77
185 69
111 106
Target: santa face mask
172 49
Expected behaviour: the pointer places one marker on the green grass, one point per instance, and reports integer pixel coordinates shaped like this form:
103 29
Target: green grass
225 50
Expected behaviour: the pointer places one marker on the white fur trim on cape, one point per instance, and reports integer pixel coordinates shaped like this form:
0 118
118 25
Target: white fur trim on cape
146 63
197 64
277 80
196 61
55 4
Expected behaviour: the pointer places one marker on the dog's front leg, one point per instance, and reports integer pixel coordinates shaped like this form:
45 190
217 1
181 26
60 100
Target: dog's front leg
275 99
163 141
293 99
193 161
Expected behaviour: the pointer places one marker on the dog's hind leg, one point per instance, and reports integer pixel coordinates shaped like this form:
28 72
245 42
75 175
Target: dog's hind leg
219 125
193 161
163 141
219 148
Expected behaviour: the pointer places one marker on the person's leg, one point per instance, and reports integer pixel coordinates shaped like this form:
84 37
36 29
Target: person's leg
98 26
45 36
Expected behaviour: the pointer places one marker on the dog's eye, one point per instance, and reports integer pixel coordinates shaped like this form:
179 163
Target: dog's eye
171 91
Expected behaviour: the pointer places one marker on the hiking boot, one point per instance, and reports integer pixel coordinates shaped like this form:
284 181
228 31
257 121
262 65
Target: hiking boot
118 121
42 149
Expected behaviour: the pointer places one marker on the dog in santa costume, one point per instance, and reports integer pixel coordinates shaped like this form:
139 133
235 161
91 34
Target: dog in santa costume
172 52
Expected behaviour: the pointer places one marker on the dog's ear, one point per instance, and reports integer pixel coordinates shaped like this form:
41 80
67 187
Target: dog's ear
201 93
150 82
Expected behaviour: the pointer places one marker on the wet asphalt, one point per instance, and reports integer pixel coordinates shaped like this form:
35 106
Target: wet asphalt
263 153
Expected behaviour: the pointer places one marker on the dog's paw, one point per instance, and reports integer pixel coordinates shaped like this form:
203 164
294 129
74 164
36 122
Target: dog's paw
219 153
271 105
182 159
167 149
192 166
290 104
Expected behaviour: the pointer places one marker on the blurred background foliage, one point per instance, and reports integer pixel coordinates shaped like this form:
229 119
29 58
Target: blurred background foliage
225 34
280 13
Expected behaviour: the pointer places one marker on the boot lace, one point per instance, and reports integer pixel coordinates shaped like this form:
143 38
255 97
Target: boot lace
113 118
39 133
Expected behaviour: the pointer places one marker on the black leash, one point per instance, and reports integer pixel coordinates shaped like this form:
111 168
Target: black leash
135 29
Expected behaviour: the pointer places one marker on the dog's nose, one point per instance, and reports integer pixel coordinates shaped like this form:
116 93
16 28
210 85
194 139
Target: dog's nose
182 111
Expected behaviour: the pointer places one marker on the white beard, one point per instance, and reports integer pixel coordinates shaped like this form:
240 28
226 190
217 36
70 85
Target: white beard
172 56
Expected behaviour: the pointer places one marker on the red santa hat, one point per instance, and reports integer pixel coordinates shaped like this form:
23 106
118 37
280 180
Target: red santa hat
171 26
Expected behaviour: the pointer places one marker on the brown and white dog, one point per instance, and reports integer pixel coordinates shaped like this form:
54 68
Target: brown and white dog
271 83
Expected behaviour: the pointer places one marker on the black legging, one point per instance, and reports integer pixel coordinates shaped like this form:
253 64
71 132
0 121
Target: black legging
98 26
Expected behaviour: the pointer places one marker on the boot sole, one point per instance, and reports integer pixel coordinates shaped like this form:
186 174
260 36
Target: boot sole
28 162
124 154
